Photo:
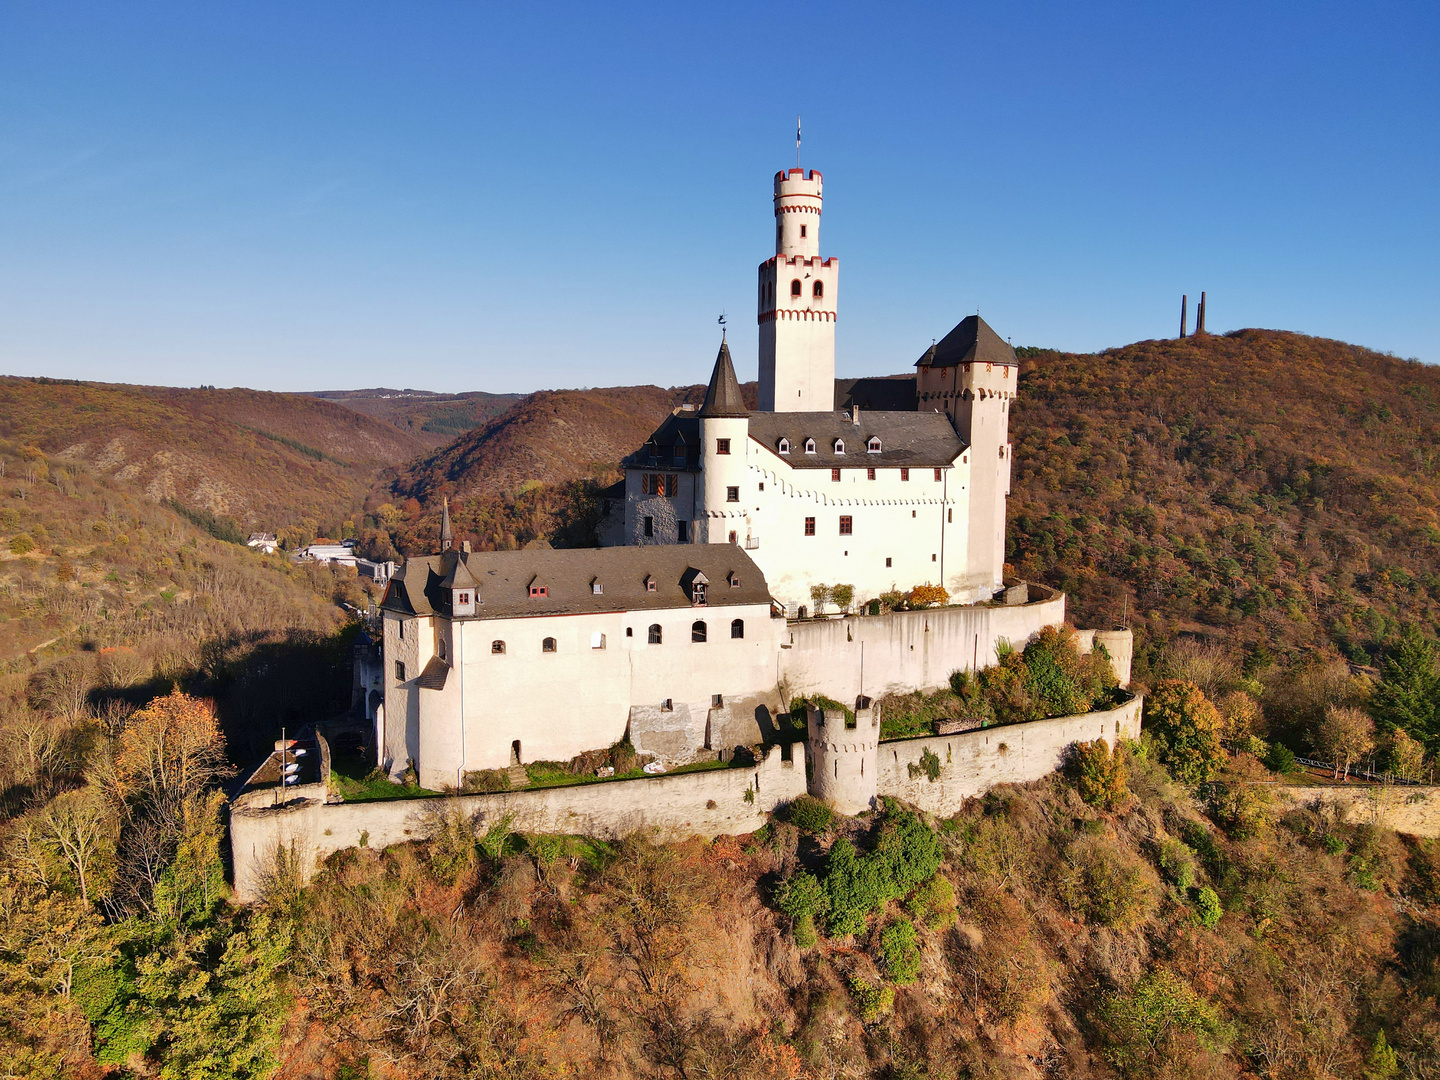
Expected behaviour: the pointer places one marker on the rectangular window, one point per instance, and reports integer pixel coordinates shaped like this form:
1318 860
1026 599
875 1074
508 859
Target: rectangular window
672 484
887 562
869 474
682 531
904 474
722 446
937 474
399 671
802 231
846 522
649 526
644 483
732 494
809 526
950 516
835 476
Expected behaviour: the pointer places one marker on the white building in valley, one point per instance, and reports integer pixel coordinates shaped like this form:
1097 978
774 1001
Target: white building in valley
816 486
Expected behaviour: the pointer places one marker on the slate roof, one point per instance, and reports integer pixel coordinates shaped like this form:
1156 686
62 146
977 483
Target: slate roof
504 577
970 342
434 675
906 438
881 394
722 396
680 426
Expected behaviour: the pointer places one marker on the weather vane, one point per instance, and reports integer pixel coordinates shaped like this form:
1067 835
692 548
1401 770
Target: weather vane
721 320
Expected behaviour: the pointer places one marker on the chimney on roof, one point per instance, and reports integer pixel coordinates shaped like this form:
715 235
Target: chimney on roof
1200 316
855 414
1184 300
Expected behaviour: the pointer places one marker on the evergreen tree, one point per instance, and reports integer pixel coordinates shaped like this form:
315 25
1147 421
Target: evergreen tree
1408 696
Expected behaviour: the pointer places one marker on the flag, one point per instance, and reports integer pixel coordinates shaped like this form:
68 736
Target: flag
797 133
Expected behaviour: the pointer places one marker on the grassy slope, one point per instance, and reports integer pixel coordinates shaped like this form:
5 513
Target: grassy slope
263 459
1266 486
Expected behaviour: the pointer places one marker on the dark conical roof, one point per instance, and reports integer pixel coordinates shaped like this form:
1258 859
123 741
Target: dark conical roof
971 342
722 397
445 535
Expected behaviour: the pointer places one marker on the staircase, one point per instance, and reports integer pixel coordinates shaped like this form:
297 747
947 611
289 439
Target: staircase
519 778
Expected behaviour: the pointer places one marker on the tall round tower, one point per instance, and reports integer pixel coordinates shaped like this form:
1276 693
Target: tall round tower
724 487
844 760
797 303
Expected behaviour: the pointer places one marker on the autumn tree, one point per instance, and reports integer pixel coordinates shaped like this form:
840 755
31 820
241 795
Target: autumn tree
1346 734
1185 729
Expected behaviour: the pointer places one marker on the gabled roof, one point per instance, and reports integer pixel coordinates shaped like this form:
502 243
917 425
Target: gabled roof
681 428
970 342
460 577
503 577
722 397
906 438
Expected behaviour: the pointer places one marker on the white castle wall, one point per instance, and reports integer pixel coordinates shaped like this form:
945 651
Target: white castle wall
972 762
706 804
912 650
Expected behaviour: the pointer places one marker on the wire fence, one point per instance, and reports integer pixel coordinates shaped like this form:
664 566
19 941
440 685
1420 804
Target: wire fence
1361 772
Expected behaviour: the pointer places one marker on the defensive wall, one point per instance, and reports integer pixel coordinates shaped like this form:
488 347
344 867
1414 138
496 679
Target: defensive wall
873 655
972 762
708 803
1407 809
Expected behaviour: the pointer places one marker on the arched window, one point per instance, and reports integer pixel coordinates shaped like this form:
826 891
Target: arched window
655 634
795 287
809 446
497 647
548 645
697 630
737 628
783 446
873 446
819 290
839 446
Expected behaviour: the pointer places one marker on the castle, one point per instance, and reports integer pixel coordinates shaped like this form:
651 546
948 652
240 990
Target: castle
695 624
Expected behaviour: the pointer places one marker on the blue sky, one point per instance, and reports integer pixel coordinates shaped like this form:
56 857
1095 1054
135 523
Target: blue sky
510 197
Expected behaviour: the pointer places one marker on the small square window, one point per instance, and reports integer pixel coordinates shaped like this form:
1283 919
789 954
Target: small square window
717 701
399 671
548 645
809 526
649 584
537 591
846 524
732 494
722 446
869 474
904 474
932 558
834 476
734 536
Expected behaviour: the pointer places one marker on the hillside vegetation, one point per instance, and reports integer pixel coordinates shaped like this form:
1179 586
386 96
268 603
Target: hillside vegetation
263 460
1276 490
432 418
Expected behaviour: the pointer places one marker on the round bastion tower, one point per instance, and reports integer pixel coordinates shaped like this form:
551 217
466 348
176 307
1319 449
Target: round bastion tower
797 302
724 495
844 760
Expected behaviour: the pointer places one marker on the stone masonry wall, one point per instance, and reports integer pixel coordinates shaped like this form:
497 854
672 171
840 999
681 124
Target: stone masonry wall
974 761
677 805
1412 810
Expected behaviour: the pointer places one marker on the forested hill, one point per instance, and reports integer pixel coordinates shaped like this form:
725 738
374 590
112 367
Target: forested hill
432 418
1267 486
265 460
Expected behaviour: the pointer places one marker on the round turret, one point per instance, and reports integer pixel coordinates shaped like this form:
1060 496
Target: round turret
844 759
798 200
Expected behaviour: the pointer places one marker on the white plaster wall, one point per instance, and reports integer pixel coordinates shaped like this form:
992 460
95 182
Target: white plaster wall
675 806
972 762
903 651
413 647
579 698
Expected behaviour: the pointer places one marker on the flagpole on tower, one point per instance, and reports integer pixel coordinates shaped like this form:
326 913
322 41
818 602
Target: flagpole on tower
797 141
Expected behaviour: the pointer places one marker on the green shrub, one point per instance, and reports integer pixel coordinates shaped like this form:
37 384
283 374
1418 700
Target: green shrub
1177 864
855 885
1141 1027
899 954
1099 775
933 903
1239 801
928 765
1381 1061
801 898
1279 758
909 851
809 814
873 1002
1184 729
21 544
1207 908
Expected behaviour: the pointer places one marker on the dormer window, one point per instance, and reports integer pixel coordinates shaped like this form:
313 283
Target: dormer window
783 446
733 579
873 446
839 446
537 591
697 594
679 452
809 446
596 588
649 583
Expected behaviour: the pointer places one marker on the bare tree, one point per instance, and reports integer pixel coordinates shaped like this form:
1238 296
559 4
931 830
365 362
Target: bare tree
1210 667
76 827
